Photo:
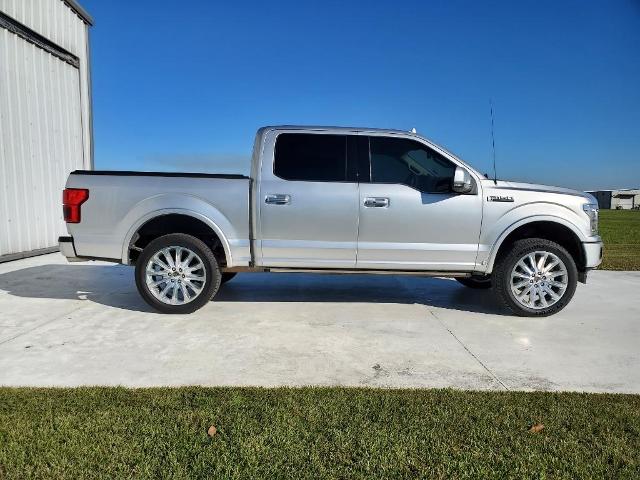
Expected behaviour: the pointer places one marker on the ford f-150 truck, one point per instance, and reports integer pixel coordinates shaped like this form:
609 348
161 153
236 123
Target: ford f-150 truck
329 199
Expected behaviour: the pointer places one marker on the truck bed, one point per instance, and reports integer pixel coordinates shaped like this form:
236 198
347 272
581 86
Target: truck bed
121 201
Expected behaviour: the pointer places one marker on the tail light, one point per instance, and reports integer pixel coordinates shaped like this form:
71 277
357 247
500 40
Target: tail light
72 198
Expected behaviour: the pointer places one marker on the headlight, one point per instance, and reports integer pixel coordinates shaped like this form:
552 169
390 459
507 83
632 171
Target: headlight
591 209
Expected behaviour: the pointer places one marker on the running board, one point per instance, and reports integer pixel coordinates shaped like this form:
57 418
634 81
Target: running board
375 272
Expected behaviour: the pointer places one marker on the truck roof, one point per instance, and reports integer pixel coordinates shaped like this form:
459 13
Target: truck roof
342 129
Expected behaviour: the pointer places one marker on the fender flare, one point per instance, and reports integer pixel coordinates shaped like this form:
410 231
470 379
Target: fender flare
524 221
176 211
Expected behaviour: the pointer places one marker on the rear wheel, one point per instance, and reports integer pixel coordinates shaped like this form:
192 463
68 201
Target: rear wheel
535 278
177 273
479 282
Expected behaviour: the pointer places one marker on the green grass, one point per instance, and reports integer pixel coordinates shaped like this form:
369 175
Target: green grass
620 230
315 433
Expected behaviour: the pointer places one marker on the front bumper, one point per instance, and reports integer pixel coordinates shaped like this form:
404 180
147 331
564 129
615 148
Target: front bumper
593 254
68 249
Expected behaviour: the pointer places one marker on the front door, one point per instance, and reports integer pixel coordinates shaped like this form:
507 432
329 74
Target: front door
410 219
308 202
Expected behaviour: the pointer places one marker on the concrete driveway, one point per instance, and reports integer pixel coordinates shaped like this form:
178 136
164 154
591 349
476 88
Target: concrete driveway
84 324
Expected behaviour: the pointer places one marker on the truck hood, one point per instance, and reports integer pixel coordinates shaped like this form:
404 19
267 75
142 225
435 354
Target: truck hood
532 187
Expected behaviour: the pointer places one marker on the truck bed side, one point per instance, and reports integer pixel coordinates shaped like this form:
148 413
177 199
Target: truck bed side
121 202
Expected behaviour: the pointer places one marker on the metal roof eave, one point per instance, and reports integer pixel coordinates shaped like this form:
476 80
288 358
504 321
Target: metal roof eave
81 12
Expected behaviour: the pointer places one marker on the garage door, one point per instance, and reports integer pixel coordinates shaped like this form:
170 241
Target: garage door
626 202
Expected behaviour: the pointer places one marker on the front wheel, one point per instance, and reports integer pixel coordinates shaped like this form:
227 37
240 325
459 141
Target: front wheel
535 278
177 273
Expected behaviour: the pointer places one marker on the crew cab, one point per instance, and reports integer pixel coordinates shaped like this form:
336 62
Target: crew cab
333 199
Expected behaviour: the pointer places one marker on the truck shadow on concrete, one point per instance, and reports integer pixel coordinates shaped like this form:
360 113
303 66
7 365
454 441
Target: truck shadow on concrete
114 286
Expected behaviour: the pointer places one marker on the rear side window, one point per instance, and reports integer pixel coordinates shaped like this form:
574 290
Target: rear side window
407 162
311 157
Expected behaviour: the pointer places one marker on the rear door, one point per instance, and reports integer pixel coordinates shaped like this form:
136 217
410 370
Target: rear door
410 219
308 201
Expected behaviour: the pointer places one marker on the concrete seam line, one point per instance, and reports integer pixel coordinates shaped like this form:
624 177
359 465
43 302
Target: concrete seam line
7 340
495 377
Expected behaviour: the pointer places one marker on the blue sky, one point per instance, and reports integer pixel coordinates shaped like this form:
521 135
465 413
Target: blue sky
184 85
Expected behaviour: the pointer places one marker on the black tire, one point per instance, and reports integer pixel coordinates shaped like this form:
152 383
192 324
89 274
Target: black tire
213 275
478 282
226 276
507 261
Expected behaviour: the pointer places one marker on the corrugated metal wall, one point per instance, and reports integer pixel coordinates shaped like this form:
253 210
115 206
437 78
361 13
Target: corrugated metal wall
44 122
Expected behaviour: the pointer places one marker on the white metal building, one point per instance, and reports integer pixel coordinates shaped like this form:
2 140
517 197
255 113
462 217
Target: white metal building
621 199
45 118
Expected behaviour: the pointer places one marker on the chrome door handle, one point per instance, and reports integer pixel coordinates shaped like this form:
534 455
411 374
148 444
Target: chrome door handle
277 199
376 202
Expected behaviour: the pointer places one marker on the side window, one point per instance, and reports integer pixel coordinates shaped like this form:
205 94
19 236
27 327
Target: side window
399 160
311 157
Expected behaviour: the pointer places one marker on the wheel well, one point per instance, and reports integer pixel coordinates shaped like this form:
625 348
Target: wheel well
176 223
556 232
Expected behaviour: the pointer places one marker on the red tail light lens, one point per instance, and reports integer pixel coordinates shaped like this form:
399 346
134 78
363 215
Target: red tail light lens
72 198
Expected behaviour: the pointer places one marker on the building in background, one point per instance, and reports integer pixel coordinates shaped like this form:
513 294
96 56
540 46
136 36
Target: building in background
45 118
622 199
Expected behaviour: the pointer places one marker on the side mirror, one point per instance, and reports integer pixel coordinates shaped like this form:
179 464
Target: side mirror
462 181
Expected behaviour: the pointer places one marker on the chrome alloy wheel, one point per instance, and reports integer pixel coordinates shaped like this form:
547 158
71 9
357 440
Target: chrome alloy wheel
539 280
175 275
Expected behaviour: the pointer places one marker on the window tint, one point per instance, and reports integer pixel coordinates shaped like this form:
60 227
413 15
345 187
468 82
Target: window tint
398 160
311 157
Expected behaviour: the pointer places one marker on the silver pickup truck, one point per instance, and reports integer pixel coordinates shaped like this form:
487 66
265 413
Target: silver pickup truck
327 199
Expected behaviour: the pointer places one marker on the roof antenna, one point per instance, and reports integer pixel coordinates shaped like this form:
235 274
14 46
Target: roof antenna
493 145
413 130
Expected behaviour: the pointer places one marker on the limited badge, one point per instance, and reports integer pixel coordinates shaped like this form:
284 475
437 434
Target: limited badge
499 198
